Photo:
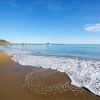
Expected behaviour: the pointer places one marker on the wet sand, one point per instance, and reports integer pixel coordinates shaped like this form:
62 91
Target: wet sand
19 82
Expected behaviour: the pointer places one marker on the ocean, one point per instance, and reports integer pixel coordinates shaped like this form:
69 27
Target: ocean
81 62
71 50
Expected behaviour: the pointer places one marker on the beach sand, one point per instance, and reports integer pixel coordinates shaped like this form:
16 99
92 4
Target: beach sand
19 82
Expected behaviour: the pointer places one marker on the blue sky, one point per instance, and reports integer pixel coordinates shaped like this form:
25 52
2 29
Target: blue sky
54 21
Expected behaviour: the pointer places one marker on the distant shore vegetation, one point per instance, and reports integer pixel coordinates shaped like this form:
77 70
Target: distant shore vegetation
4 42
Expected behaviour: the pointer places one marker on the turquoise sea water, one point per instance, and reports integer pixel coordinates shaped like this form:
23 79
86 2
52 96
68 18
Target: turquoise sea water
73 50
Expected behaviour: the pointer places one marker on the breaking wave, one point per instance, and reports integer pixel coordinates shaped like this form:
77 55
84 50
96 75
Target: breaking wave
82 72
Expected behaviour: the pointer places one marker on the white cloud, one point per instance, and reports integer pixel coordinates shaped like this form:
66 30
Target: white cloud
93 27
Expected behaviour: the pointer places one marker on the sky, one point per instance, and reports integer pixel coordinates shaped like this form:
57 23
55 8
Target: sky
54 21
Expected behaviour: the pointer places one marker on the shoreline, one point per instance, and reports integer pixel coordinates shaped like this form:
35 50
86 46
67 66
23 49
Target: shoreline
12 78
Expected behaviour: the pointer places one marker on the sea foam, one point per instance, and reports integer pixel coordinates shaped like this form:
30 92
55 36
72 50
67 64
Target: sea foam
82 72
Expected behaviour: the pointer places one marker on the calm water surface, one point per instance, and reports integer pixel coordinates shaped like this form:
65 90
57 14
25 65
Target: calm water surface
73 50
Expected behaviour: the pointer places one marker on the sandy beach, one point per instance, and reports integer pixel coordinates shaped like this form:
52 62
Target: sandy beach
19 82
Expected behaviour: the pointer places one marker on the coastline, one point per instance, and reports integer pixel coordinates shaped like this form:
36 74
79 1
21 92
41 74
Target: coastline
14 85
